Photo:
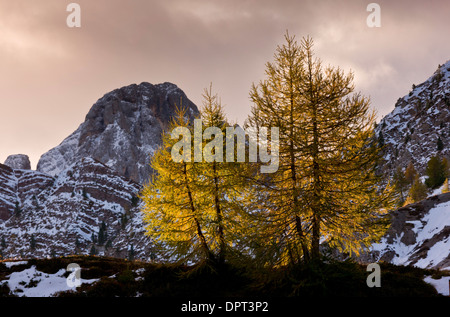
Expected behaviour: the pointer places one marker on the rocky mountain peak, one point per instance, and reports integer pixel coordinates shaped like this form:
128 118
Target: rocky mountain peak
18 161
121 130
84 196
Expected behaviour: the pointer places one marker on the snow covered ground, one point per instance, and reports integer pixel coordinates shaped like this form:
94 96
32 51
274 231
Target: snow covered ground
11 264
436 191
33 283
442 285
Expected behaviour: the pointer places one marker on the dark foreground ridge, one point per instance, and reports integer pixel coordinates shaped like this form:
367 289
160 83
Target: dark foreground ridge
122 278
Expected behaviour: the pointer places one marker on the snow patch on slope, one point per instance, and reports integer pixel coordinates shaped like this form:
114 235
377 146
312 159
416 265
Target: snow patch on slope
34 283
441 285
432 225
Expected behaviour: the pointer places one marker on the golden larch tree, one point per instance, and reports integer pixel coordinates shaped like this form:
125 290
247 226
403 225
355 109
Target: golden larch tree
325 190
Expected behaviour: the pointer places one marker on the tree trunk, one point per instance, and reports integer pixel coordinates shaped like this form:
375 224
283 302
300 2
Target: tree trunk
298 222
200 235
315 205
219 215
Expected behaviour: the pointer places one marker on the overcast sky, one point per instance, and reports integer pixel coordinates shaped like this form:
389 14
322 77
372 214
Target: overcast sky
50 74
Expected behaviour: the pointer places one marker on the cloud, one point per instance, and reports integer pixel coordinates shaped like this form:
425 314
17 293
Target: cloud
51 74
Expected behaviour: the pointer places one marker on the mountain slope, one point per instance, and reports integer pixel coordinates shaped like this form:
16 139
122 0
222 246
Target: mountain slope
18 161
420 233
63 215
17 187
411 131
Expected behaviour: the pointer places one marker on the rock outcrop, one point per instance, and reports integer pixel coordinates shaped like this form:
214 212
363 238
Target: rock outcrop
18 161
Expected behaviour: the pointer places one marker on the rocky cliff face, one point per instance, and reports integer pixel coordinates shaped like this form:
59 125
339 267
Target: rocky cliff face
411 132
45 216
122 130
